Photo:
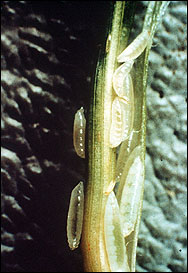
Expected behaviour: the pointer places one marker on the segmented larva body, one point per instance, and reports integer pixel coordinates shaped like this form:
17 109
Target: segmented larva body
114 240
79 132
129 201
122 121
124 152
135 48
122 81
122 116
75 216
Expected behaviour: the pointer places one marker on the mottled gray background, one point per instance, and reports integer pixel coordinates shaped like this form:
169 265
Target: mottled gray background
49 53
162 243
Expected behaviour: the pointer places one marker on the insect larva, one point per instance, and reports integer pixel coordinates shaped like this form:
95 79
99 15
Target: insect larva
122 81
124 152
135 48
75 216
114 240
129 201
79 132
128 122
129 117
117 124
122 121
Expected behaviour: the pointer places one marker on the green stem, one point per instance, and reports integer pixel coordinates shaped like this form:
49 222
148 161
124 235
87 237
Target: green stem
101 158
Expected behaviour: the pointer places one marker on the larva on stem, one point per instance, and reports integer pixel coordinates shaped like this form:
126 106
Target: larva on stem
122 120
135 48
124 152
75 216
118 121
130 188
79 132
122 81
114 240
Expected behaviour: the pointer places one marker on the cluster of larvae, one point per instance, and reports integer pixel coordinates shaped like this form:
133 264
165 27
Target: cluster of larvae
123 104
121 210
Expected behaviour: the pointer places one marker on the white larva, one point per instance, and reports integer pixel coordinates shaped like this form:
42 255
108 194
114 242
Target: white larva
129 201
122 82
79 132
122 121
129 118
124 152
75 216
114 240
135 48
118 121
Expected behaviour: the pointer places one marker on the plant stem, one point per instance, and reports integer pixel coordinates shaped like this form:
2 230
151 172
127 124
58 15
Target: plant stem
101 158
